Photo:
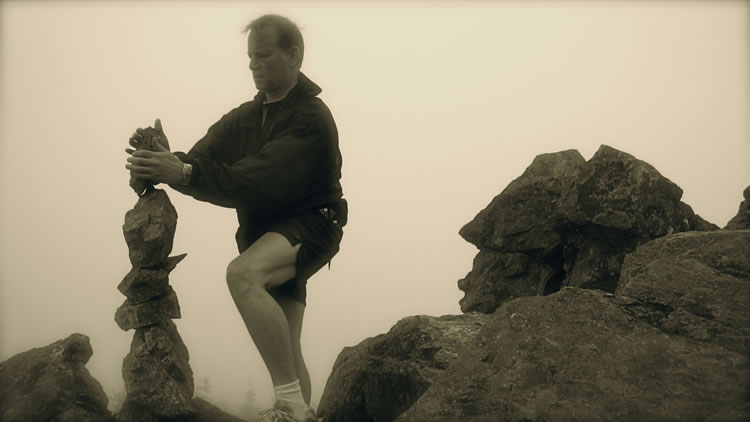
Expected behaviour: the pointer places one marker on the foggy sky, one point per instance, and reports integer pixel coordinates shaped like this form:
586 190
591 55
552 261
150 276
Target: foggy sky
438 108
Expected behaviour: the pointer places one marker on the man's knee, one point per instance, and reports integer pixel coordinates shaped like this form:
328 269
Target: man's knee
243 276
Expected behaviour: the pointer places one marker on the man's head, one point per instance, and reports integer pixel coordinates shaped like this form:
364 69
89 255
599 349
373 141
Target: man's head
275 49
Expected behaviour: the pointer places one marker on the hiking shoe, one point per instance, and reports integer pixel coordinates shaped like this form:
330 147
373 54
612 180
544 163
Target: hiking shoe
275 415
310 415
281 413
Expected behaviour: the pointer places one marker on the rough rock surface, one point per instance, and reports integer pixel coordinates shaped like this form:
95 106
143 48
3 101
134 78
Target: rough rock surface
694 284
742 219
382 376
158 378
569 222
52 384
207 412
149 229
136 315
144 284
577 355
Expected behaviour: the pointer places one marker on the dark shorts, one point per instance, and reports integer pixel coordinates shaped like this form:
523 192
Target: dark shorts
320 236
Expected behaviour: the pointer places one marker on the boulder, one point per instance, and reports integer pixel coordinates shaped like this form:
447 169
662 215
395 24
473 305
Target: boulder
135 315
569 222
158 378
578 355
149 229
52 384
742 219
207 412
382 376
694 284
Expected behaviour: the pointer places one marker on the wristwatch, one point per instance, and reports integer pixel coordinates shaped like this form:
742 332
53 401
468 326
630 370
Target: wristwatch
187 174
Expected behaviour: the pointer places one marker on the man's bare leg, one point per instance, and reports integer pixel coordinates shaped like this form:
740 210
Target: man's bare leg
295 312
268 262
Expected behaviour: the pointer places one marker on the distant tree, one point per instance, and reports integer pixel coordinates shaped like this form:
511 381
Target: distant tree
248 409
116 399
203 389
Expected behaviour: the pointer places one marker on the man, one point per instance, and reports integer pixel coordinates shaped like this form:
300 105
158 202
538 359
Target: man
276 160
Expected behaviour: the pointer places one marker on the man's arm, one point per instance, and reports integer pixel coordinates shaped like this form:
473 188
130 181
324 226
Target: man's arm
280 174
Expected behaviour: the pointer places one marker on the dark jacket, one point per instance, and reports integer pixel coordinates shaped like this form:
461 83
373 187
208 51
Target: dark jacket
288 165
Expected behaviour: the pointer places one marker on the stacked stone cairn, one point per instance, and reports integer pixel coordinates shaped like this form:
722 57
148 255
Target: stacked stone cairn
158 378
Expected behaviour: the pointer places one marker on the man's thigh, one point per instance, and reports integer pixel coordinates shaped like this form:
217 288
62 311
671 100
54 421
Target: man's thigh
271 257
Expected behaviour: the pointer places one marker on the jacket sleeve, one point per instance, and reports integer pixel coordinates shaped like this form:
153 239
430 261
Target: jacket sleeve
280 174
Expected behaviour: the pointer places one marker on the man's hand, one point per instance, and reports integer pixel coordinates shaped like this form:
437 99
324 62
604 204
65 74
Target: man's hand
160 166
136 140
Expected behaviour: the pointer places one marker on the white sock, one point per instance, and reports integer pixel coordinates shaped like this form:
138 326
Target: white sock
291 395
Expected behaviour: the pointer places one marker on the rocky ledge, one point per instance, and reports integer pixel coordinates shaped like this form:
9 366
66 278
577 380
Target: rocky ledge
606 299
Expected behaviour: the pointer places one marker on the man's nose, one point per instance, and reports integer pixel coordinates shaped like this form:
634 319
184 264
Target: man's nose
253 65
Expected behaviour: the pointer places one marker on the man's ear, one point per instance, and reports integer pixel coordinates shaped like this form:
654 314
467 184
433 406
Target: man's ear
294 57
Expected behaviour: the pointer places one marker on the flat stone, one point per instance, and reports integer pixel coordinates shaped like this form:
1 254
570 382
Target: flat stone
142 285
131 315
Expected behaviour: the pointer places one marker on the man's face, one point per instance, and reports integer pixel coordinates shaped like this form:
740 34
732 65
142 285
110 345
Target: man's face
270 65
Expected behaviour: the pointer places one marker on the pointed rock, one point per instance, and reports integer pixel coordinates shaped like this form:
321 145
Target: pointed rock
172 262
52 384
741 221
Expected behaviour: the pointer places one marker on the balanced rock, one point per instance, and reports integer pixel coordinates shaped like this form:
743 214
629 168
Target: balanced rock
694 284
577 356
158 378
136 315
742 219
52 384
382 376
149 229
569 222
140 185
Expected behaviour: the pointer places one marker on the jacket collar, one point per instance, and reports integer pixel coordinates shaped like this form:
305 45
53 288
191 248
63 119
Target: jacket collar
304 88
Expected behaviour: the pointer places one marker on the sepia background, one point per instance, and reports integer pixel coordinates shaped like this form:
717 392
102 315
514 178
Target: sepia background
439 106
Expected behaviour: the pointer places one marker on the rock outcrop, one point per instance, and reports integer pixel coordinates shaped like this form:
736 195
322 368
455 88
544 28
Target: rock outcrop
577 355
742 219
569 222
52 384
610 300
158 378
383 376
695 285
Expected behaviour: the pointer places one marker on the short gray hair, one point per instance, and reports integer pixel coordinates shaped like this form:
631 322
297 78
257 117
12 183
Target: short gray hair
288 32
